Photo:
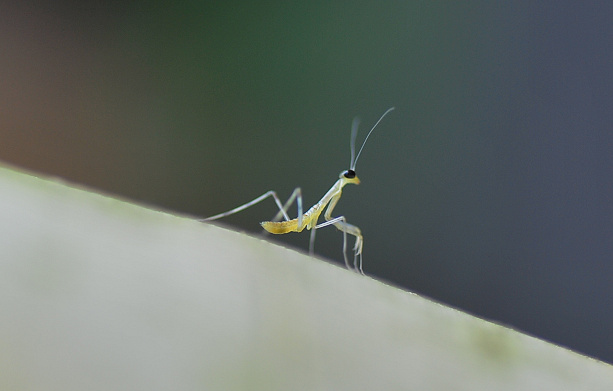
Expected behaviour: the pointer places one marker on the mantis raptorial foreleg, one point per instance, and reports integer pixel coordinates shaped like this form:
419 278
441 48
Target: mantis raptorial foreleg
342 225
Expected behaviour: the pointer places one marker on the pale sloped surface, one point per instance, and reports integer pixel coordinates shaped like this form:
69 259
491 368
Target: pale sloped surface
99 294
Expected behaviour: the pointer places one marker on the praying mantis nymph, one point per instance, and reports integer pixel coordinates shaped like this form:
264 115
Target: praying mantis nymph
308 220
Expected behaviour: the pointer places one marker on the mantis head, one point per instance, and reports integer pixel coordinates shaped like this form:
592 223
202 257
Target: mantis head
349 177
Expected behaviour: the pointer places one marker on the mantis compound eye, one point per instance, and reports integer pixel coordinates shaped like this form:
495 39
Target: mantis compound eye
349 174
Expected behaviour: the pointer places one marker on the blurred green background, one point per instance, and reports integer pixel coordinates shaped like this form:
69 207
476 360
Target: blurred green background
489 188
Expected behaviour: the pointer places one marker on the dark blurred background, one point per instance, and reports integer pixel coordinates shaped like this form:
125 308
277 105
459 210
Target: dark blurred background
490 188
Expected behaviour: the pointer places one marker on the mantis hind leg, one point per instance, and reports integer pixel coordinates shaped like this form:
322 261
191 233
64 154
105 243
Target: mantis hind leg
271 193
295 196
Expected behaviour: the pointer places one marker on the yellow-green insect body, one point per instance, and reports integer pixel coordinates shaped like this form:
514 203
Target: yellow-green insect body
309 219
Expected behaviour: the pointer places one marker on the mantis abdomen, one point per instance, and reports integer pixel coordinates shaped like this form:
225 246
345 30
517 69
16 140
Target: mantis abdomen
281 227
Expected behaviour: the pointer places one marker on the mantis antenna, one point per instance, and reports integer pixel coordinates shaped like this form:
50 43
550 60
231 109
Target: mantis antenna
354 133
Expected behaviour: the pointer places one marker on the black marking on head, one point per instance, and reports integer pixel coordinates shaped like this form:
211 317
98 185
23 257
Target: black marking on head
349 174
